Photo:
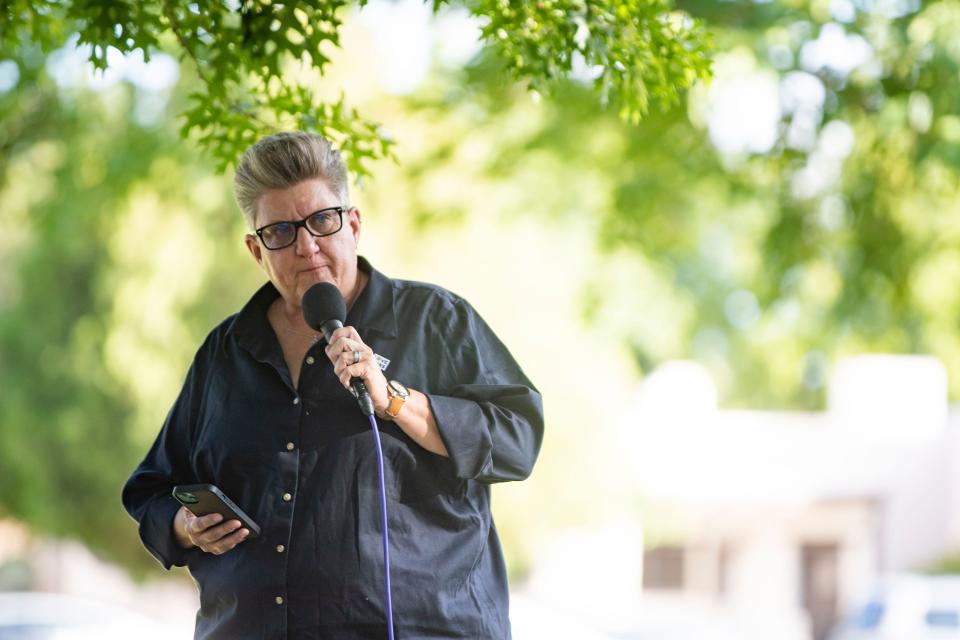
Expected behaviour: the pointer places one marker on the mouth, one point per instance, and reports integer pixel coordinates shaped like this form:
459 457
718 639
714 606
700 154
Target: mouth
315 269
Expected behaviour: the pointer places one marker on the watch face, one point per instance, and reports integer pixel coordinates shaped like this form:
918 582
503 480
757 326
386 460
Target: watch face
399 389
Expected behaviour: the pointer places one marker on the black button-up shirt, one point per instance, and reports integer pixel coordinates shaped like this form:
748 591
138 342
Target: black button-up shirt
302 463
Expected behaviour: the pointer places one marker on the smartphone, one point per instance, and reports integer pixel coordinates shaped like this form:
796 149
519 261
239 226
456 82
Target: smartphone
204 499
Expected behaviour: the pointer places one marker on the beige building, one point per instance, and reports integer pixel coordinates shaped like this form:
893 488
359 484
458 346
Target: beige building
773 524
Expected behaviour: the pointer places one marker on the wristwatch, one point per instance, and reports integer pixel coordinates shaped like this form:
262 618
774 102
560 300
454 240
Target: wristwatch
398 396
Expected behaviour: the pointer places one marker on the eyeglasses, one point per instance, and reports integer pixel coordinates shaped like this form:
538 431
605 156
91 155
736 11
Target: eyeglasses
280 235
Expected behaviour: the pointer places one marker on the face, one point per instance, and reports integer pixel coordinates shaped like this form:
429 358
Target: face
309 260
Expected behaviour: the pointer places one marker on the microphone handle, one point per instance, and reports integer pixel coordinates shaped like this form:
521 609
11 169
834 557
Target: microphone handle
363 396
328 327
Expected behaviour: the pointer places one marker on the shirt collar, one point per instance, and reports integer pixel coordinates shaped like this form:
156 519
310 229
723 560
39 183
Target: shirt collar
373 310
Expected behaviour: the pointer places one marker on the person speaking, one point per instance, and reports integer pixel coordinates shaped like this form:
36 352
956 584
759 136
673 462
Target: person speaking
267 415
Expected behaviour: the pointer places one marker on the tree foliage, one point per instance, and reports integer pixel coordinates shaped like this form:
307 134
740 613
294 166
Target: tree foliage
641 50
839 235
84 327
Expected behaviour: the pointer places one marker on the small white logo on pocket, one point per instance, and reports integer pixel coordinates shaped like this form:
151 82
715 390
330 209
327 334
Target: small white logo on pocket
383 362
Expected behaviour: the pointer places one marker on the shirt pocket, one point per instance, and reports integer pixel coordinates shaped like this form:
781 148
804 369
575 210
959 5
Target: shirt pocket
414 474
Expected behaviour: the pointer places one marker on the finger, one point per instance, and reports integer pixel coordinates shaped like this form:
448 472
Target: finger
213 534
347 332
340 363
354 357
348 371
346 345
338 337
226 543
353 342
337 334
196 525
371 375
335 348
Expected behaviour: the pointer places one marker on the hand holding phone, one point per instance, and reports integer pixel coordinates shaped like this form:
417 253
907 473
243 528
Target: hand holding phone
210 520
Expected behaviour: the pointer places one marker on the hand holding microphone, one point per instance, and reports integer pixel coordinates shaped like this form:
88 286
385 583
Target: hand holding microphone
353 361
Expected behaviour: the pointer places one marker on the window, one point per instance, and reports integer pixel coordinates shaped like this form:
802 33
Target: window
663 568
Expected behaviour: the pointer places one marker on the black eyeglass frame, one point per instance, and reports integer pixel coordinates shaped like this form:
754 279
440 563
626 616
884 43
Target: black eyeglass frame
302 223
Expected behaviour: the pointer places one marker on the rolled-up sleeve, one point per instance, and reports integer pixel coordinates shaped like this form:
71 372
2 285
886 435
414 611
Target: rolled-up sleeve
156 532
489 414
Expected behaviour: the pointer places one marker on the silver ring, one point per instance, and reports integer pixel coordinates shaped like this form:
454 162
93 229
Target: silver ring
356 357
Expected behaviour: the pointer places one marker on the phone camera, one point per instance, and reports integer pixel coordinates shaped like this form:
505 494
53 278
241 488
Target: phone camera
186 497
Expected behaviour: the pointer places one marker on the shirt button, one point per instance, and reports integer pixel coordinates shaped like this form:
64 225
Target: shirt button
296 400
291 446
281 548
279 599
310 360
287 497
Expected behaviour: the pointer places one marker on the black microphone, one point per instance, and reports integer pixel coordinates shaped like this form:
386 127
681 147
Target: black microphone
324 310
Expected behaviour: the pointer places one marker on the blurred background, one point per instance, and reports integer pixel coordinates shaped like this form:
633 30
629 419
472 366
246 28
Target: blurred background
743 314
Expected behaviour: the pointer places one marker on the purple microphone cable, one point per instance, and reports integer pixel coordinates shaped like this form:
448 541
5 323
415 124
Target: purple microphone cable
383 518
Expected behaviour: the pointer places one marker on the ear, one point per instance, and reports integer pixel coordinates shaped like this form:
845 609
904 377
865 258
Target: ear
354 218
253 246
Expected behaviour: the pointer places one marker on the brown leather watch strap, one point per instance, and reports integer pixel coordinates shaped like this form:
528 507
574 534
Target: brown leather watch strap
396 403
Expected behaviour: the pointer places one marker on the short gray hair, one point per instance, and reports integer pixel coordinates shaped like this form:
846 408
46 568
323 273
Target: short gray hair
282 160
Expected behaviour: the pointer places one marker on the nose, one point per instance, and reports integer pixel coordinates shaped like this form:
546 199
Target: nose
305 243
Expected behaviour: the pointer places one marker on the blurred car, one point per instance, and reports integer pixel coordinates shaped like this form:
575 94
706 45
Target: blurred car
907 607
53 616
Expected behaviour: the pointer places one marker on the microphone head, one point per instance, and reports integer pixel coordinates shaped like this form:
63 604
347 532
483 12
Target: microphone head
321 303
